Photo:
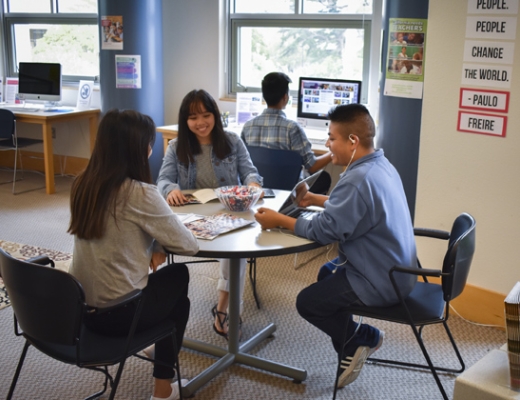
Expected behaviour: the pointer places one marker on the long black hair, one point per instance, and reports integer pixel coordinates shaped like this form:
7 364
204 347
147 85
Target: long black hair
121 152
188 146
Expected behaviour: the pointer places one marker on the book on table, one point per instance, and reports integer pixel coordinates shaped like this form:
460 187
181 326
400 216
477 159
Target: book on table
201 196
209 227
512 311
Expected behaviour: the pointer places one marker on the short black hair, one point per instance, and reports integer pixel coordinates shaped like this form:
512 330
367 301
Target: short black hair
275 85
357 115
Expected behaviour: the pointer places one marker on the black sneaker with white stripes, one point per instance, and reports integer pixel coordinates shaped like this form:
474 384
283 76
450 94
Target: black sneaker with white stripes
351 365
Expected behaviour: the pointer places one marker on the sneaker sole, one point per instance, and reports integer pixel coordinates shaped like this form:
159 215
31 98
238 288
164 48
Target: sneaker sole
353 370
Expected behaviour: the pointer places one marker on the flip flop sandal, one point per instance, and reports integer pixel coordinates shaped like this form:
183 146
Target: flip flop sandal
222 318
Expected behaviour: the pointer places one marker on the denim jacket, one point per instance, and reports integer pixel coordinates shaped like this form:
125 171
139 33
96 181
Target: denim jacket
235 169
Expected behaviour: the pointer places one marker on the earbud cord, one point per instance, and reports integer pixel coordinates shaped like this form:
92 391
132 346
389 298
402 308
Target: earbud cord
351 158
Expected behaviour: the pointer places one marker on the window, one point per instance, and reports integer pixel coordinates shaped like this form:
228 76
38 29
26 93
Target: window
317 38
57 31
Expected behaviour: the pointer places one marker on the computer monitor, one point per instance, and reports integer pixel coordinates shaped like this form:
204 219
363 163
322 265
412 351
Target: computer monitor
316 96
39 81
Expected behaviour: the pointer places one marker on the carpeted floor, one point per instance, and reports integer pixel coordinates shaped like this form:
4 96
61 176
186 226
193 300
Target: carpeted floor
34 217
4 300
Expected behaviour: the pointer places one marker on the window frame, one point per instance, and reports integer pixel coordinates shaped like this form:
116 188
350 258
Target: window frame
235 21
12 19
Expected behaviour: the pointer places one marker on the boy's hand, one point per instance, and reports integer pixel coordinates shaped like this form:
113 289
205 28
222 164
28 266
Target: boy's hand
270 219
313 199
267 218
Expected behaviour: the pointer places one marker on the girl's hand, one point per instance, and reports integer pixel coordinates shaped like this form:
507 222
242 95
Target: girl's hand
258 186
157 259
176 198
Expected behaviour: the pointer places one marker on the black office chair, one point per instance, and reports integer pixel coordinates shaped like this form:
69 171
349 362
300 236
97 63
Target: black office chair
429 303
280 169
9 141
49 308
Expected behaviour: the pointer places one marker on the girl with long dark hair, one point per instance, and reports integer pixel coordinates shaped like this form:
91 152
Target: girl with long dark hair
122 226
204 155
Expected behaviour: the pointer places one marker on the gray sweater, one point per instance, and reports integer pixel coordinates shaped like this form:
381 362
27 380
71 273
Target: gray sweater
119 262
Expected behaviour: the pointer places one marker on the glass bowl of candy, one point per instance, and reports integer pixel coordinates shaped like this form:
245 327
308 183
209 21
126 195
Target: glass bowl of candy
238 198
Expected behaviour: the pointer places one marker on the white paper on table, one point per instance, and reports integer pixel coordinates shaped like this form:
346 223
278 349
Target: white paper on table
190 217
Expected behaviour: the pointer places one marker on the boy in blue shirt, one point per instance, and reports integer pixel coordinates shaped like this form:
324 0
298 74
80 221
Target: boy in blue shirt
367 214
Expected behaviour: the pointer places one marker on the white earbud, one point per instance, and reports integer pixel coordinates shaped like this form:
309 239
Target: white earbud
351 139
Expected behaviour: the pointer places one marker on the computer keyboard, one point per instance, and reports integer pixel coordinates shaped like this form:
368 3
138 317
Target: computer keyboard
318 141
22 109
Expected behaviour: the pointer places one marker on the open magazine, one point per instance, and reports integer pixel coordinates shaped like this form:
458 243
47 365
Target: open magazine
201 196
209 227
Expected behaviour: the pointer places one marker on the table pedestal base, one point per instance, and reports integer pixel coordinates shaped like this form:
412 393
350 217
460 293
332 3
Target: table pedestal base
228 358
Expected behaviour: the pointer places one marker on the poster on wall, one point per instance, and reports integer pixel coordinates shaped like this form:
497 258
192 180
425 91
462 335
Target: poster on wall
248 106
112 33
406 56
128 72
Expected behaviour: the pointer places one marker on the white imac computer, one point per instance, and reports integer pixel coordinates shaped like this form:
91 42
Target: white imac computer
39 82
316 96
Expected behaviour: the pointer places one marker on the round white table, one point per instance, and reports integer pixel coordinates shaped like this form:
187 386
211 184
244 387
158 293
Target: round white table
250 241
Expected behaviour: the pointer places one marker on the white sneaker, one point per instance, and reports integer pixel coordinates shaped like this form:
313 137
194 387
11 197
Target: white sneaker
150 351
175 391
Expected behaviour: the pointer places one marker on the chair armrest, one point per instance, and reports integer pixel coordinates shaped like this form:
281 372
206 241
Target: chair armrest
416 271
432 233
41 260
128 298
413 271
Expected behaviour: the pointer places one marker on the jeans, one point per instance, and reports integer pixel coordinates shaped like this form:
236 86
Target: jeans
325 304
223 281
165 297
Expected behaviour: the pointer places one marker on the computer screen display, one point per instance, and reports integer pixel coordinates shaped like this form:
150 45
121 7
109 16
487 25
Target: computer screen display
316 96
39 81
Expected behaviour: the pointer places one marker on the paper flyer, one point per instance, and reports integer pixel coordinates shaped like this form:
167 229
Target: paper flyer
249 105
406 55
84 95
11 90
111 33
128 72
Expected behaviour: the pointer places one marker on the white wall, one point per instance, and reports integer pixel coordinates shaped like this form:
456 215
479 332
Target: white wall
468 172
192 39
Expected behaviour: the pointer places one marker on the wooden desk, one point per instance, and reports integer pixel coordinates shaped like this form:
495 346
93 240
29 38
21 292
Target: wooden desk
46 119
247 242
169 132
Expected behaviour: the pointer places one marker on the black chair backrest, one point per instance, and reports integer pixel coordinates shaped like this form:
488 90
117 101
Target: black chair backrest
458 258
279 168
7 121
48 303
